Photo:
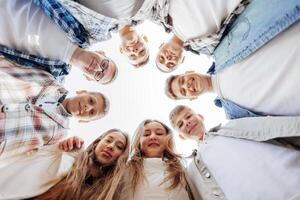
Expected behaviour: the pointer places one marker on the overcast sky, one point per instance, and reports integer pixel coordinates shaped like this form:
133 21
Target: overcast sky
138 94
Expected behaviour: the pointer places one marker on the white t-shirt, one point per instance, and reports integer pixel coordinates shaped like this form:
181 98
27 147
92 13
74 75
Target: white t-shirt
193 18
25 27
155 172
268 80
246 169
29 175
118 9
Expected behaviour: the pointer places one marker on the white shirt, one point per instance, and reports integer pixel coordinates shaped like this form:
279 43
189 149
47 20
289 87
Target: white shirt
194 18
246 169
268 80
155 172
118 9
30 175
25 27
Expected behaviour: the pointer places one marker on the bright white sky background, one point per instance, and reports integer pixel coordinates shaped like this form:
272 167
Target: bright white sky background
138 94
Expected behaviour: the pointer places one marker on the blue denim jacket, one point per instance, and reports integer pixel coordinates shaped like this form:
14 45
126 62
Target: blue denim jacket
260 22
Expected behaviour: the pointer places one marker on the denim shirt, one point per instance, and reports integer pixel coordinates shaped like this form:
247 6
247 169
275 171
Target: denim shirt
259 23
247 34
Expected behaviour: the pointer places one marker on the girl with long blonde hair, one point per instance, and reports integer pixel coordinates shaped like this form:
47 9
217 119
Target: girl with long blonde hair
96 172
155 170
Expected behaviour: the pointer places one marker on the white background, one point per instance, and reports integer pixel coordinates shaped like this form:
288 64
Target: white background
139 94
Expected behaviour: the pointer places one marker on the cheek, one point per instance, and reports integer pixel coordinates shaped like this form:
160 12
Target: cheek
143 145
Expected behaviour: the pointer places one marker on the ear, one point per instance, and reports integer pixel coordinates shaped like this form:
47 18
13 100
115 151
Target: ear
81 91
145 38
201 116
182 59
193 98
160 46
181 136
83 121
189 72
100 52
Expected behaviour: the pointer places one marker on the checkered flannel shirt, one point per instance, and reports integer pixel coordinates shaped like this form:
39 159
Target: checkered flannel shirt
31 115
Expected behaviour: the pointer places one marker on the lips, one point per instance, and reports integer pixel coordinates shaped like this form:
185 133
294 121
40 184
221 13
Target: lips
192 127
153 144
107 154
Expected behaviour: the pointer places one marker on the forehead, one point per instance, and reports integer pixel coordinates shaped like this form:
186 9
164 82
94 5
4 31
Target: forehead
175 85
181 114
99 106
117 136
154 125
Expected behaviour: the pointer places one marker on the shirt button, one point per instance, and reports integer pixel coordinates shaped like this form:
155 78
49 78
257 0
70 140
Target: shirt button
216 193
207 175
40 105
27 107
198 161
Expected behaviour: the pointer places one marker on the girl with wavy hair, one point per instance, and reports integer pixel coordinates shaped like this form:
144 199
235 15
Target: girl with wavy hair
92 174
96 172
155 170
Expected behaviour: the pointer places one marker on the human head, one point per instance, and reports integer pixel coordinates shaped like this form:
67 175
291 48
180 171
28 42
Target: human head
87 106
187 86
95 65
109 146
88 170
134 47
139 153
153 139
170 55
187 122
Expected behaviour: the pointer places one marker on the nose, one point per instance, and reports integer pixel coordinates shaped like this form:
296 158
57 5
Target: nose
153 136
87 107
111 146
169 57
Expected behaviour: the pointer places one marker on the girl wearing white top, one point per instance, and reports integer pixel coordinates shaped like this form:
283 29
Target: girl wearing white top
96 172
155 170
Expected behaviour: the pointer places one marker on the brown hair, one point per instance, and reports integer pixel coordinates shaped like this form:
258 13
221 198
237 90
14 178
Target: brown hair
168 89
81 183
176 111
172 160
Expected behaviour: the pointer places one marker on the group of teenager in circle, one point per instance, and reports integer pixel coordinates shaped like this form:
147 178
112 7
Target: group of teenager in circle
255 75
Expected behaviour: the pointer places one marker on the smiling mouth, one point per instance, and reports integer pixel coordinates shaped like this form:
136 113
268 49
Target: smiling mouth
79 108
192 128
153 145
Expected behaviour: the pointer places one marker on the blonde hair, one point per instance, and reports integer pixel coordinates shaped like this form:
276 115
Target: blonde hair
75 186
173 161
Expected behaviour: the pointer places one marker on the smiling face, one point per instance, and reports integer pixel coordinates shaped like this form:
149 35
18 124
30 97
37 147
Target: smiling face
170 55
153 140
135 49
110 148
187 122
86 106
189 85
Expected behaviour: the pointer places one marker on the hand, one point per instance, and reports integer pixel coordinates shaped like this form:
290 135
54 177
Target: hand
71 143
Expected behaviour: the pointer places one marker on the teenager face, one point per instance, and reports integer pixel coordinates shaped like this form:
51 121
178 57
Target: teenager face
134 47
110 148
189 124
189 85
101 69
153 140
85 106
170 55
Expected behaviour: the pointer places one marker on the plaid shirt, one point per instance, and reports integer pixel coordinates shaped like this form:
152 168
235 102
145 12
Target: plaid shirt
31 115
